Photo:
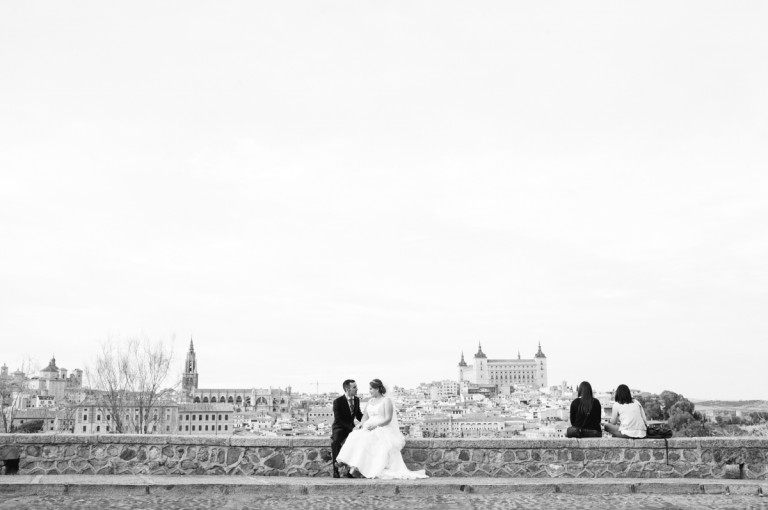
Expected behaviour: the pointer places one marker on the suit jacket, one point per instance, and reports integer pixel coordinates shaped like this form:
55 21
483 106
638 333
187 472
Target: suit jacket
343 418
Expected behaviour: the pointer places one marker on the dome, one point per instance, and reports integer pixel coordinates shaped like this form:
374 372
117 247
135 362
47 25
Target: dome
51 367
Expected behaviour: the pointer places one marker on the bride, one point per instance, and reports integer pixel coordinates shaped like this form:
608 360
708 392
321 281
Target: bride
373 449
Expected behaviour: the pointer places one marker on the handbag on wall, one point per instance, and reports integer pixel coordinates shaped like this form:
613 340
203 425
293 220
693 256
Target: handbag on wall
658 431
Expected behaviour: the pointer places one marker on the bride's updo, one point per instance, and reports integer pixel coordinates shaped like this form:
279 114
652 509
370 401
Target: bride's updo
378 385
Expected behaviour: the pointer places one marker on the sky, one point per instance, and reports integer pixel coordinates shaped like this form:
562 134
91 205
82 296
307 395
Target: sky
316 191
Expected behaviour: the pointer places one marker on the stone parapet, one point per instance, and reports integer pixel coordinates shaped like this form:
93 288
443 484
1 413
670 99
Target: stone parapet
705 458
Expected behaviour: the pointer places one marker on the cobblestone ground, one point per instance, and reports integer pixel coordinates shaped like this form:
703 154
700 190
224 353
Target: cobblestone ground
485 502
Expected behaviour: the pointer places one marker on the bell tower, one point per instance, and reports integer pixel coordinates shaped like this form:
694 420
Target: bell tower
481 366
189 379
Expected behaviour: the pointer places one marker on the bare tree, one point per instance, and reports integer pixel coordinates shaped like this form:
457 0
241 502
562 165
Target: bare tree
128 381
12 389
9 395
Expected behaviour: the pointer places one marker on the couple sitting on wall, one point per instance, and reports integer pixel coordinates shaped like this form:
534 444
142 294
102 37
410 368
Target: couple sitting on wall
370 448
627 419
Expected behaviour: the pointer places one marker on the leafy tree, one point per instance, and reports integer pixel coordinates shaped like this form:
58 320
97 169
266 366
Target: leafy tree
652 406
680 420
695 428
682 406
668 399
30 427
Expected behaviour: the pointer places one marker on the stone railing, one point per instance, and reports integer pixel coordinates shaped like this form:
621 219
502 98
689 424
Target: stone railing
310 456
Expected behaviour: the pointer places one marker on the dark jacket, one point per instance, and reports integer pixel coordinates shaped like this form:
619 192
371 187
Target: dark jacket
591 422
342 417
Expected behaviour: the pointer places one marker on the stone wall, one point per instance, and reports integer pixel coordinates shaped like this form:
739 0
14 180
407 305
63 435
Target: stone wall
299 456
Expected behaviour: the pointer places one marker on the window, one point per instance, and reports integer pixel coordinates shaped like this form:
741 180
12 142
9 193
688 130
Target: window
206 428
98 428
219 417
186 417
225 427
168 428
193 416
83 428
193 428
179 428
206 417
219 427
200 417
98 417
186 427
226 417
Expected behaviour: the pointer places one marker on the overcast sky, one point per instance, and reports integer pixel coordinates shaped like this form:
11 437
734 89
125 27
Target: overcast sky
322 190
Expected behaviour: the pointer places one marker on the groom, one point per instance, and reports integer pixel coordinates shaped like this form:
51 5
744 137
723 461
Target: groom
346 409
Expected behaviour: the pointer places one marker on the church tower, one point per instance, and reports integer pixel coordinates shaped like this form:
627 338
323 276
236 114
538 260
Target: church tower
541 368
189 380
481 366
462 367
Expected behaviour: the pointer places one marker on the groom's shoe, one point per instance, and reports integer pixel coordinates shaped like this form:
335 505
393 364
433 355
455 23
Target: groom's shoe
335 471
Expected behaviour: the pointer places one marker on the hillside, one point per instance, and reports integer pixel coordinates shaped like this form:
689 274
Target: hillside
756 405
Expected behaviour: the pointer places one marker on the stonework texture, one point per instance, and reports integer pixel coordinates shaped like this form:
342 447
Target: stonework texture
516 458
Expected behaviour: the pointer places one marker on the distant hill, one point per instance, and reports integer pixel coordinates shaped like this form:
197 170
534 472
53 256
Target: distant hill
738 404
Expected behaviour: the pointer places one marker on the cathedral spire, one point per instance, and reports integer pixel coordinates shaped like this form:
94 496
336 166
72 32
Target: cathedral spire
462 363
190 377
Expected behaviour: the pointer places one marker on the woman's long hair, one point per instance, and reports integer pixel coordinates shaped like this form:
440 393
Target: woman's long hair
623 395
585 392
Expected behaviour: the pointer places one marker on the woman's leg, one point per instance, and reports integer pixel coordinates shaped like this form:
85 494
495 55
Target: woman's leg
614 430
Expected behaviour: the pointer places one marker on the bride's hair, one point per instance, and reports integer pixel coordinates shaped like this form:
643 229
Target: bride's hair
378 385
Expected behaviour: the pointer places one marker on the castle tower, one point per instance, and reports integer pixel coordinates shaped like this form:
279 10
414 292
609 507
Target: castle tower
462 367
541 368
189 379
481 366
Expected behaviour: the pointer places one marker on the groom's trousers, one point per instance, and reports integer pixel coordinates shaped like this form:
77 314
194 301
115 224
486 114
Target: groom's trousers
338 437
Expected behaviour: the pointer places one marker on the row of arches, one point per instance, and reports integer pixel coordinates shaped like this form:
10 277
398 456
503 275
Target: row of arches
223 400
260 401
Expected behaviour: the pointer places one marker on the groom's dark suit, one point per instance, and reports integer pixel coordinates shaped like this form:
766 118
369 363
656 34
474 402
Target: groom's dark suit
343 423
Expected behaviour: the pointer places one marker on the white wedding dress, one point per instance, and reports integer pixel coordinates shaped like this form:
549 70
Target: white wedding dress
376 453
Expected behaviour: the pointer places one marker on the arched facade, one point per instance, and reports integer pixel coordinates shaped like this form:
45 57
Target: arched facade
273 400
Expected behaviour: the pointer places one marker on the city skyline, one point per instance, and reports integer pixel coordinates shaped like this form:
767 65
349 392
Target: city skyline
321 191
175 377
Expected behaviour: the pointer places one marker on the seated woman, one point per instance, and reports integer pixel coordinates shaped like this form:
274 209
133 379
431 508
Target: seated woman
373 449
629 414
585 414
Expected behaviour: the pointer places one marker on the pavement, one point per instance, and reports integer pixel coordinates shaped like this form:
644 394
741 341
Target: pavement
139 492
